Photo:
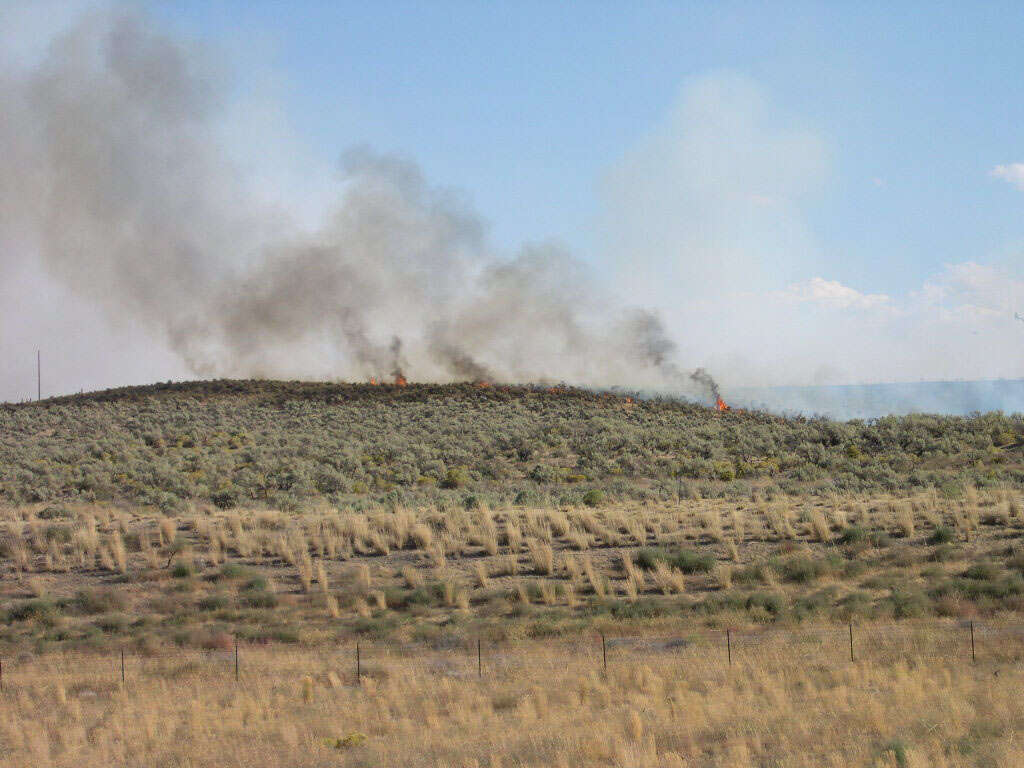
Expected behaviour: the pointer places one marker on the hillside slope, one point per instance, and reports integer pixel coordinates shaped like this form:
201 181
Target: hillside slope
288 444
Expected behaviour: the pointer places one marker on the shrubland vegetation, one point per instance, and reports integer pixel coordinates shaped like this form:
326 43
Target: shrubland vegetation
92 576
285 445
296 519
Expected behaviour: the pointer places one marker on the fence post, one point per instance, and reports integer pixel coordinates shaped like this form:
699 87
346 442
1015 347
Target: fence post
851 641
604 654
974 657
122 666
236 658
359 669
479 660
728 643
1 674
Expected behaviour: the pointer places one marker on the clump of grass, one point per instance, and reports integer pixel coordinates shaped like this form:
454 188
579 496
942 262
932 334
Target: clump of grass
668 579
483 579
904 517
686 560
941 535
853 535
820 526
543 557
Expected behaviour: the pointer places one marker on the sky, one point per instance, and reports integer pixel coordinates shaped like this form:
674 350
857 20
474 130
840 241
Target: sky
804 192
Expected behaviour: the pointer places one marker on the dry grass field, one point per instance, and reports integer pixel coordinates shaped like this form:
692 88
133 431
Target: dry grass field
101 577
912 698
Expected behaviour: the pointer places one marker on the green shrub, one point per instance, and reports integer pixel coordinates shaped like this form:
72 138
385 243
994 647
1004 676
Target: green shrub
225 499
800 569
648 558
853 534
942 535
40 610
99 600
772 603
908 603
689 561
985 570
233 571
258 598
213 603
455 478
256 583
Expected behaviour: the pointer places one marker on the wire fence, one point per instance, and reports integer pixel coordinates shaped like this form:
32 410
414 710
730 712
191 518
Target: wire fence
479 658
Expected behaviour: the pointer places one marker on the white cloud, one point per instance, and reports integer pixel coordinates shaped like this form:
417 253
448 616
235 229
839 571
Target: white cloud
1012 173
832 293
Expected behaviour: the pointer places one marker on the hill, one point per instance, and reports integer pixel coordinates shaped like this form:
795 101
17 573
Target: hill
400 564
288 445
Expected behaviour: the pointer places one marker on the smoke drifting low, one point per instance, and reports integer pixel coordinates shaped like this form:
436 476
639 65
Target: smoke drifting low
113 174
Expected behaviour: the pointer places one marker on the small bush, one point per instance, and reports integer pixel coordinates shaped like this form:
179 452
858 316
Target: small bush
689 561
455 478
41 610
648 558
258 599
802 570
213 603
941 535
98 600
985 571
233 571
853 534
255 584
880 539
225 499
908 603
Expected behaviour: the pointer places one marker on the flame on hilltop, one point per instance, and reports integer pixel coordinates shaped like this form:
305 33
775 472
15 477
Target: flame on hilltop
400 380
373 381
481 384
721 406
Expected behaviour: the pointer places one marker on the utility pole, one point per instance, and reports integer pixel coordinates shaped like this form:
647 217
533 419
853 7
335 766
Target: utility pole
39 375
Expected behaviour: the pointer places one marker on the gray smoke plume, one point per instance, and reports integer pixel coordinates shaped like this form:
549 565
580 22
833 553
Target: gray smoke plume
112 171
703 378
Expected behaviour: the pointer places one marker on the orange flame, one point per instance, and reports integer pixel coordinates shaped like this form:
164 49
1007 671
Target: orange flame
373 381
400 380
721 406
481 384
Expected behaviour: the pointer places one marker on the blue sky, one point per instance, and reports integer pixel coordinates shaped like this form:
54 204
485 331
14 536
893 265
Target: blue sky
804 192
525 106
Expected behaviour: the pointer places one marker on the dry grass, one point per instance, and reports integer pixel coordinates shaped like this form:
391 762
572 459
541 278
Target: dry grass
537 704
